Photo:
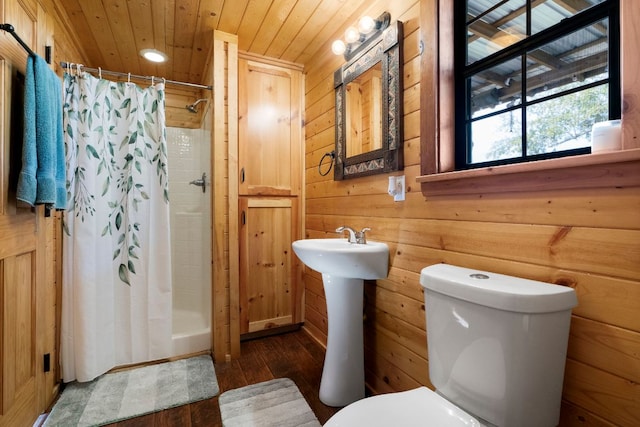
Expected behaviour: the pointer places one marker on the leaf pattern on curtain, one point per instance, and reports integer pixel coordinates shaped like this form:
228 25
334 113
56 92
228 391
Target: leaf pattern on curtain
120 136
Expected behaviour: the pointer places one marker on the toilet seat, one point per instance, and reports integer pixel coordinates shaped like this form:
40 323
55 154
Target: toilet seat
417 407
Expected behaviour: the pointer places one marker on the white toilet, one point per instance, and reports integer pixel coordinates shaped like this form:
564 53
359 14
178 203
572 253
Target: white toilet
497 349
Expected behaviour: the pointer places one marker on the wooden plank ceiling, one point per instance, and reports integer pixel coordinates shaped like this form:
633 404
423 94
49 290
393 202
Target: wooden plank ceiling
112 32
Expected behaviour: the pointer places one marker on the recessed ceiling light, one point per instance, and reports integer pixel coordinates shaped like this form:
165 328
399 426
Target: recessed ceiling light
154 55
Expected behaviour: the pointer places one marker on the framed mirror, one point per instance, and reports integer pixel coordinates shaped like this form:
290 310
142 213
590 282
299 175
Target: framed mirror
368 122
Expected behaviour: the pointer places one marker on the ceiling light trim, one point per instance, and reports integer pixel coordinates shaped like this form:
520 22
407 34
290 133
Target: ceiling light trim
154 55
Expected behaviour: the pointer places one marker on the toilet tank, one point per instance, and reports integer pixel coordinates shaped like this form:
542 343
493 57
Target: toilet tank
497 344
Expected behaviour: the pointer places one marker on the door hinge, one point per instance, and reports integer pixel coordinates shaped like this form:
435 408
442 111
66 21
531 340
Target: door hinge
46 362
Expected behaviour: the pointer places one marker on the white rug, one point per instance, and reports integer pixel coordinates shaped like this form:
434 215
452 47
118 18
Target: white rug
127 394
275 403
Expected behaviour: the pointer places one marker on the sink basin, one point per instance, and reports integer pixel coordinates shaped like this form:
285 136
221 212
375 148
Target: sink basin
344 267
340 258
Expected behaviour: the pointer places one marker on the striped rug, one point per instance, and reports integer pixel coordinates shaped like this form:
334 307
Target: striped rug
275 403
127 394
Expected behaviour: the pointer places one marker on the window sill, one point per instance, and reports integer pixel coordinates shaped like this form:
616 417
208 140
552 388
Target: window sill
610 169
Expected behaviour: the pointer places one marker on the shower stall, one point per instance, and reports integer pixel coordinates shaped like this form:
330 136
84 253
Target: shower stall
189 154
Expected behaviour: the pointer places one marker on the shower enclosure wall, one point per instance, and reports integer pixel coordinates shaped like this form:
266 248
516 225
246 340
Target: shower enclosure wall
189 156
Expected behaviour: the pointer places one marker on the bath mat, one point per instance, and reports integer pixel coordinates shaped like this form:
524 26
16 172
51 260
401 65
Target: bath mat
275 403
127 394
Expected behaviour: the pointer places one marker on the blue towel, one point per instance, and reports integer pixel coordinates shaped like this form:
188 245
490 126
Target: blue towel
42 178
26 191
60 163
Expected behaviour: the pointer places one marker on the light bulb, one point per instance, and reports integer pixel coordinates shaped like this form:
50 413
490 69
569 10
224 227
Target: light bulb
352 35
366 24
338 47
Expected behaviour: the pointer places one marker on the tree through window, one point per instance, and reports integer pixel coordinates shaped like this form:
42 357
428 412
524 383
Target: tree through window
532 77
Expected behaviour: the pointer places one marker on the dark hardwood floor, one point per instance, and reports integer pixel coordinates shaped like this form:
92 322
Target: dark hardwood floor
293 355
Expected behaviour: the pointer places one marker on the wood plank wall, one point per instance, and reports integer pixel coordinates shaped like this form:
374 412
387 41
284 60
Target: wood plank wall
585 238
224 163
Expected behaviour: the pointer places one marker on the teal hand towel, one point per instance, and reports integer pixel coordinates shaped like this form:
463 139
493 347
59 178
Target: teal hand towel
60 163
42 178
45 134
26 191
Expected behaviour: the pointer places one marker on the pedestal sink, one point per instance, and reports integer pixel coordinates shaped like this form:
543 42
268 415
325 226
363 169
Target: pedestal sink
344 266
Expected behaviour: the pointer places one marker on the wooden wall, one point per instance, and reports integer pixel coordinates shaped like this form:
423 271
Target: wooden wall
222 68
581 237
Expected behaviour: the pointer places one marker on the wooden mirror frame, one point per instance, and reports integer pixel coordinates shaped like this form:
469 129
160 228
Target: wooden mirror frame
386 48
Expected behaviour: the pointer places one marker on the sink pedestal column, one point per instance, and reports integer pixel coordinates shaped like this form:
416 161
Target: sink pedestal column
343 372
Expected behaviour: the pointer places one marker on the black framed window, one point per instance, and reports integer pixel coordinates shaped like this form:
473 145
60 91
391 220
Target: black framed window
532 77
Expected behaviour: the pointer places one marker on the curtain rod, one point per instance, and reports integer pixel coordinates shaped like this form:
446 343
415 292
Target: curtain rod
129 75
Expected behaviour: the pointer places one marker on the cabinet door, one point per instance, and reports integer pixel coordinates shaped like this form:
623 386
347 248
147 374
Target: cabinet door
269 129
268 294
22 274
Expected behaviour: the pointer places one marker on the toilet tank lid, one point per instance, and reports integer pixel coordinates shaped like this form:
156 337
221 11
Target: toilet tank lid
497 290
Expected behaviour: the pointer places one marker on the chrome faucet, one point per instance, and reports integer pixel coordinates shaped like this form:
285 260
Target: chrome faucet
352 233
358 237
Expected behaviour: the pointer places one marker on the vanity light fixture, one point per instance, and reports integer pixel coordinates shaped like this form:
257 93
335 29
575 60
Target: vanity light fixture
356 37
153 55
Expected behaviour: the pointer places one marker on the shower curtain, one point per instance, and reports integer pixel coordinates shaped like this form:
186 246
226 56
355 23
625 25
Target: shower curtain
116 291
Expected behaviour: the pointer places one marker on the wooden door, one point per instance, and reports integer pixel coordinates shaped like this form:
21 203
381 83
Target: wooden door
269 129
268 292
270 135
22 275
